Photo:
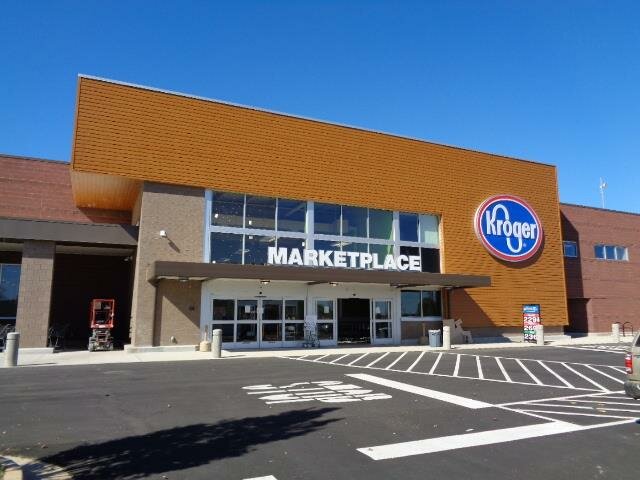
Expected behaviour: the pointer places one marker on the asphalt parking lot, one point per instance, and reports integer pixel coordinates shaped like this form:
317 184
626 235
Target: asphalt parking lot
540 412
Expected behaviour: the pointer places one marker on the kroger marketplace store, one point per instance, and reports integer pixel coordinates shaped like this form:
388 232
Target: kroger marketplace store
255 222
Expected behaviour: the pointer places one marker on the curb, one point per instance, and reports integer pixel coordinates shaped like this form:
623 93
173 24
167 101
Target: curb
12 471
21 468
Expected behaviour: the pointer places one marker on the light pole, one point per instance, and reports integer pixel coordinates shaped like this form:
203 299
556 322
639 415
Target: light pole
603 185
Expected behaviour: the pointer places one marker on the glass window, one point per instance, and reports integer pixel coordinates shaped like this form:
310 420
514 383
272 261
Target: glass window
410 303
599 250
382 310
261 212
621 253
223 309
354 247
255 248
247 332
292 215
326 245
227 331
409 227
430 259
354 222
272 332
327 219
381 224
570 249
410 251
9 287
272 309
431 303
294 309
381 250
247 309
287 242
227 209
325 331
324 309
383 329
226 248
293 332
429 233
610 252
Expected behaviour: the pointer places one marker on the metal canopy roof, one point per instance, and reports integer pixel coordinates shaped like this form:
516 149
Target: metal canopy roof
205 271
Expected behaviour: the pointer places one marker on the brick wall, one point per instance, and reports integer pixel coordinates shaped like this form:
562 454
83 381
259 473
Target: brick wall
601 292
41 189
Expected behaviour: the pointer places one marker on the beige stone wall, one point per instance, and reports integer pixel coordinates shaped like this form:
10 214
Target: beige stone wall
180 212
177 319
34 296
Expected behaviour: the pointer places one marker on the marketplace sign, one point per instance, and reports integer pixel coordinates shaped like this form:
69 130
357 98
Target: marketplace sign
339 259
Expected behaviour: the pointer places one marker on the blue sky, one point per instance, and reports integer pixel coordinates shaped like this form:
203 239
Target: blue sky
556 82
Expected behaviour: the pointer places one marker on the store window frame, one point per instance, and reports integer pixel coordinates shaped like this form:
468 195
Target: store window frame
11 318
338 242
422 317
611 253
566 247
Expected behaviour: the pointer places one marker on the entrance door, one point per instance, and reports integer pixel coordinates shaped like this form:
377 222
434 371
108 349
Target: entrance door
381 322
247 324
354 320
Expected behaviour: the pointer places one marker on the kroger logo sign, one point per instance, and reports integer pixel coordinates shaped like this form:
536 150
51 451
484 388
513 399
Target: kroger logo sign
509 228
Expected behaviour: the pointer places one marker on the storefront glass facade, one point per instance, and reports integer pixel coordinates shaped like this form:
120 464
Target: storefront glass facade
240 229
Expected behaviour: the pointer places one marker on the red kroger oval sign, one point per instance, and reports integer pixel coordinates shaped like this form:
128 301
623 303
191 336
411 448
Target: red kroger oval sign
508 228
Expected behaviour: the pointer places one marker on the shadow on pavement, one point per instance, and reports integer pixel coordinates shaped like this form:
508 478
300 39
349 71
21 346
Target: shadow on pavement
184 447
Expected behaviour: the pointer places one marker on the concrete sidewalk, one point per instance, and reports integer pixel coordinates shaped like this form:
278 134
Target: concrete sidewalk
84 357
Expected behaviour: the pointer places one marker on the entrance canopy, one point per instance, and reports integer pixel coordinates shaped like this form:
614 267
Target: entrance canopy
206 271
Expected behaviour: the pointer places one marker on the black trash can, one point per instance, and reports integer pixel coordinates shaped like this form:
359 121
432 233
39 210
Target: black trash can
435 338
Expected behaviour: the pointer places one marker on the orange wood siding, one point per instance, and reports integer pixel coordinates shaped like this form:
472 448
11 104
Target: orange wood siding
142 134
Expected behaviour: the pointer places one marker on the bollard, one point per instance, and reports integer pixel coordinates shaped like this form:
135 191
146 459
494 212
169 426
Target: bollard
446 337
216 343
540 335
615 332
11 349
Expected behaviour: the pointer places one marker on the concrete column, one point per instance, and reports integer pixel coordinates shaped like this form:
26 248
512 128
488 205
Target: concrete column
216 343
540 335
34 296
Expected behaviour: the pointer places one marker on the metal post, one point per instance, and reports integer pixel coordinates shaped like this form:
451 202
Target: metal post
446 337
216 343
540 335
11 349
615 332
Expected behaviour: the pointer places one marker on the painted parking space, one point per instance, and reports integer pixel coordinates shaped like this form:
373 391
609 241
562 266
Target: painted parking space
504 369
604 348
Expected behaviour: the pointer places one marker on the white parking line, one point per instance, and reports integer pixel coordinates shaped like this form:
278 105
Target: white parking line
535 379
396 361
555 374
433 367
425 392
339 358
586 378
456 369
359 358
268 477
605 374
480 374
320 358
416 362
453 442
378 359
504 372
